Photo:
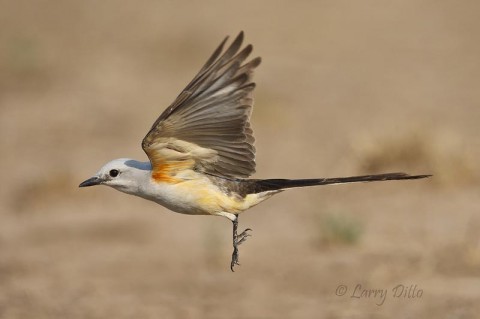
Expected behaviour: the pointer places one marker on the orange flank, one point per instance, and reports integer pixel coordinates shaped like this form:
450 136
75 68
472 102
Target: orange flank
165 171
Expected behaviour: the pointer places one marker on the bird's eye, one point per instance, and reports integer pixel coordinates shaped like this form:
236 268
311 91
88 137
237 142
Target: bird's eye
113 173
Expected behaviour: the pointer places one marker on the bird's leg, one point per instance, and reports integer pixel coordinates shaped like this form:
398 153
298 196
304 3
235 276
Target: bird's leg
237 240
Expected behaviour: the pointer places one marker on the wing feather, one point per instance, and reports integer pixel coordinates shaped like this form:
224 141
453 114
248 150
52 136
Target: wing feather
207 127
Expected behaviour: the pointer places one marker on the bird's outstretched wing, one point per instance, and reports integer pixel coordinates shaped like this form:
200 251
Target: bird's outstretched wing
207 127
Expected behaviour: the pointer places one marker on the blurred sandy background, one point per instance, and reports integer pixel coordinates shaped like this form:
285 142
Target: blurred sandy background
345 87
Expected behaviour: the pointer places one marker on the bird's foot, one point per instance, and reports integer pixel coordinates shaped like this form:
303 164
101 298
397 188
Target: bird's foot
238 239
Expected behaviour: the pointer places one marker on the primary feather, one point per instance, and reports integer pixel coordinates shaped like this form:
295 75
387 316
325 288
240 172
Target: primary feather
207 125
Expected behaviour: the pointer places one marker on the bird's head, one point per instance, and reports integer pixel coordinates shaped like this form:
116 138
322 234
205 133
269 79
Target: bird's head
122 174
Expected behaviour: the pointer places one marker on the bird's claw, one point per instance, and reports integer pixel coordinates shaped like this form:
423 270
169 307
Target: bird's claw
238 239
234 259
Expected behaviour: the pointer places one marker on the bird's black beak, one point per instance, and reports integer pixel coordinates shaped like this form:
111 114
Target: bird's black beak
91 182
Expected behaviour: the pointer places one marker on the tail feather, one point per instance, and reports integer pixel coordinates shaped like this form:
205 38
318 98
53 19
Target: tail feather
279 184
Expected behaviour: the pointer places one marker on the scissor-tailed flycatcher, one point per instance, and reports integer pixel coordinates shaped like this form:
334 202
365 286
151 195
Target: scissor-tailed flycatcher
201 149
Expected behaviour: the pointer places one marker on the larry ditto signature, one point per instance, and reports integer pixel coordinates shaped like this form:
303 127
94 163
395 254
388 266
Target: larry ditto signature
380 295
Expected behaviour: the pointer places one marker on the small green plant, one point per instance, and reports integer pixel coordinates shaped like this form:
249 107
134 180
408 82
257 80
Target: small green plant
339 229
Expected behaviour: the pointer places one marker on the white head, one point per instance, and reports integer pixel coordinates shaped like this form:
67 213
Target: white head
123 174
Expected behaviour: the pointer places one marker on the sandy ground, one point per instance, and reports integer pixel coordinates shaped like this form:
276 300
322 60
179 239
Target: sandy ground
345 87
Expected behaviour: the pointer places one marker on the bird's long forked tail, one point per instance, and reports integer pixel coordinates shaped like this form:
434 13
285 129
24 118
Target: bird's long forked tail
279 184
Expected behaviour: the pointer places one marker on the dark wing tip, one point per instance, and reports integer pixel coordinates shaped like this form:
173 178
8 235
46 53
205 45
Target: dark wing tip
256 62
241 35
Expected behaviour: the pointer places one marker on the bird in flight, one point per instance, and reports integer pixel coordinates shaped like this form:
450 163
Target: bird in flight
201 152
